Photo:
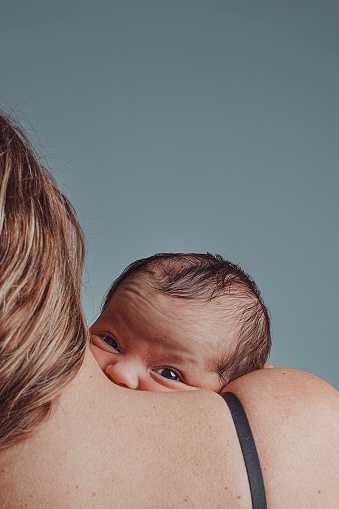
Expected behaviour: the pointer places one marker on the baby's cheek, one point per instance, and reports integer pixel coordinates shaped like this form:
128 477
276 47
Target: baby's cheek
99 355
192 388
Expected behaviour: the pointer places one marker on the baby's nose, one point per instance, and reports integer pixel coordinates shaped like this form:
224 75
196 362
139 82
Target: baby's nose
123 374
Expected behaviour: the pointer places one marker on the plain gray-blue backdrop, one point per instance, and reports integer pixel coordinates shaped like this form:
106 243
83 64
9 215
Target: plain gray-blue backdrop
194 125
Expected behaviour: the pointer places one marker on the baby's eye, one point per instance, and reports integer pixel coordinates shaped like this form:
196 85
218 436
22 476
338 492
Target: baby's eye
111 342
168 373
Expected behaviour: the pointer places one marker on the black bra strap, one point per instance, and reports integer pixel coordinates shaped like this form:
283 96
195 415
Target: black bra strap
249 450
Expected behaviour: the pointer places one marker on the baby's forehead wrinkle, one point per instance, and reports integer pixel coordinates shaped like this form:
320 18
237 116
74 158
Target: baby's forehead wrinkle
156 300
134 291
142 294
222 314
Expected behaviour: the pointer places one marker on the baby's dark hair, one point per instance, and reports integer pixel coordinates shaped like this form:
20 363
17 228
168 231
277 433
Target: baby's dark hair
206 277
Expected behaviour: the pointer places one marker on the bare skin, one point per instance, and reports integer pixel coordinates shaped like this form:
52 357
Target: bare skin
178 449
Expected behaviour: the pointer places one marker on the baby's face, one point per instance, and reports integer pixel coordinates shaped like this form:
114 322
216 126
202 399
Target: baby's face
149 341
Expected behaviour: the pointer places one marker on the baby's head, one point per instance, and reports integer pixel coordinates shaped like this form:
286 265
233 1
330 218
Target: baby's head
181 322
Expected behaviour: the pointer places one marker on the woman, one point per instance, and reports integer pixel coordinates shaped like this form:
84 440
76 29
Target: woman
71 439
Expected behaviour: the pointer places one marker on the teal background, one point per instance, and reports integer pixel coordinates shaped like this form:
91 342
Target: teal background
194 125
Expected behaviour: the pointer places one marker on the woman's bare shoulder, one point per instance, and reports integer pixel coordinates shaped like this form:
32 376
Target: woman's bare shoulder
285 387
294 418
142 449
104 441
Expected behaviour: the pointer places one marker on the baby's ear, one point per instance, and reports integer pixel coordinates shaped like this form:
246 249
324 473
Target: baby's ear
267 365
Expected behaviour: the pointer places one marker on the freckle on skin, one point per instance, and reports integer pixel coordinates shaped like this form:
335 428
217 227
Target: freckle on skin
77 486
226 488
93 494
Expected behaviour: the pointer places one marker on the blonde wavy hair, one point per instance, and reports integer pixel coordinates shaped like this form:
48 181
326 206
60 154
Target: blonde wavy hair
43 334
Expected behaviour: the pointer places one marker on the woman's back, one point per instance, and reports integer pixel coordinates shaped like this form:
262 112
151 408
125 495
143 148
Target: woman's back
106 446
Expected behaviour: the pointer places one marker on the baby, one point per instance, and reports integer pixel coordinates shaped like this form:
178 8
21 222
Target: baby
176 322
